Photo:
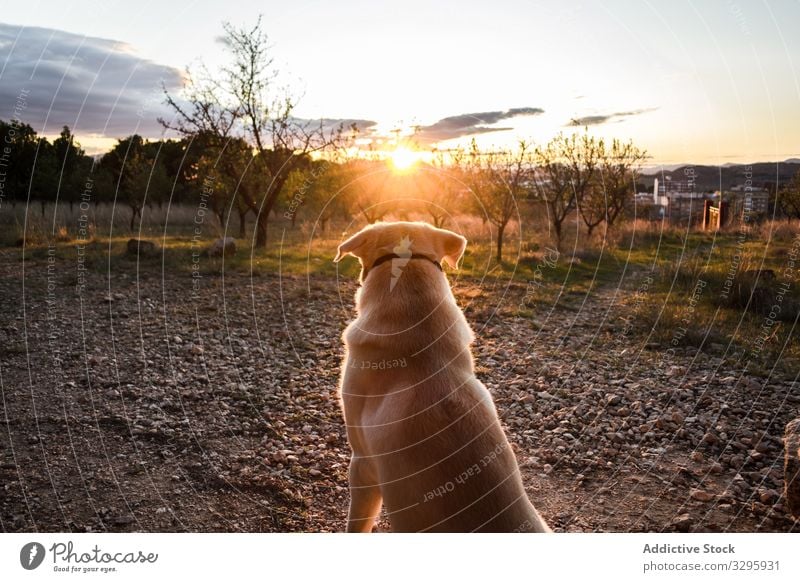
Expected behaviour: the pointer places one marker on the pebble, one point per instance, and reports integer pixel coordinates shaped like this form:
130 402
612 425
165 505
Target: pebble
700 495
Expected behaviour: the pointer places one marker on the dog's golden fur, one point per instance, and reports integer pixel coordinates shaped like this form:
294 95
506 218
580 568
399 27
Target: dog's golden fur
425 435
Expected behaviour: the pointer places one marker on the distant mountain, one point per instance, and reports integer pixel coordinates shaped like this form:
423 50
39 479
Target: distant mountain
711 178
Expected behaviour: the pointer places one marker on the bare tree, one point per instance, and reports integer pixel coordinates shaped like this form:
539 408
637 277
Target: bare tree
366 188
563 179
443 186
282 142
206 110
618 171
246 95
497 181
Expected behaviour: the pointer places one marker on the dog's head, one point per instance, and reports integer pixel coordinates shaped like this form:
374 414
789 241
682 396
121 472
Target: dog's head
403 239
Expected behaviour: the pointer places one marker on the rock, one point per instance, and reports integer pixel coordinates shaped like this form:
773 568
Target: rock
700 495
791 467
122 520
736 461
683 523
675 371
222 246
696 456
768 496
142 248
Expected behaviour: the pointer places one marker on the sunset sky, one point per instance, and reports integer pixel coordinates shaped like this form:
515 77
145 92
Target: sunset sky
702 82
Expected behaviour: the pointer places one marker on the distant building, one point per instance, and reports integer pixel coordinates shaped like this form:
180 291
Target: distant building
677 200
670 189
745 199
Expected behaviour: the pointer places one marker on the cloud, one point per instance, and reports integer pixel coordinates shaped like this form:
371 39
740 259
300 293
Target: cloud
94 85
472 123
328 124
600 119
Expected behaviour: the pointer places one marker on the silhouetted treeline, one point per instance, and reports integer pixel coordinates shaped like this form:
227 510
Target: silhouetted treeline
134 172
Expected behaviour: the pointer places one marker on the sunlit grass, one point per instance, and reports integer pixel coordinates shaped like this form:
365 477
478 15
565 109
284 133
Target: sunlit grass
674 258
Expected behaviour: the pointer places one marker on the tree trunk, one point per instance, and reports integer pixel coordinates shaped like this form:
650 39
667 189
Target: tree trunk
323 222
294 218
500 231
262 212
134 213
242 222
262 218
41 203
557 230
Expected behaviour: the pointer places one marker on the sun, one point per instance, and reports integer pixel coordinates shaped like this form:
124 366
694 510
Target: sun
403 159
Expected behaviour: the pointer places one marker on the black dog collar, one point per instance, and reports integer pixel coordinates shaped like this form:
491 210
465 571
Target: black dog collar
384 258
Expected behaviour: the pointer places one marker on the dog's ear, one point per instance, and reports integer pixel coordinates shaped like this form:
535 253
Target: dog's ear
353 245
451 246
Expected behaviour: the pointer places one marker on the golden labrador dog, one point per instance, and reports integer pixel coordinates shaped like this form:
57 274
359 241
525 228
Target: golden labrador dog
426 439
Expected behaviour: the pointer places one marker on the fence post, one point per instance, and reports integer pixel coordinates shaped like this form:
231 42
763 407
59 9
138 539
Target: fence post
723 213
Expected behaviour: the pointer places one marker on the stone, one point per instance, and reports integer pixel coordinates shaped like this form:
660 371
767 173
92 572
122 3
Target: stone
700 495
222 246
768 496
791 466
142 248
683 523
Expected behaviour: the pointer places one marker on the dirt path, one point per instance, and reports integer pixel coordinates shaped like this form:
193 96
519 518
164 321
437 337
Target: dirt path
138 407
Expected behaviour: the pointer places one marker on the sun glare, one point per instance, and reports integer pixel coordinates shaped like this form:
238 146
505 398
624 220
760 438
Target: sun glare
403 159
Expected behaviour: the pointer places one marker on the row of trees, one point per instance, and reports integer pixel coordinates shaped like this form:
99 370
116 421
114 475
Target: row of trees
242 150
37 169
575 175
571 173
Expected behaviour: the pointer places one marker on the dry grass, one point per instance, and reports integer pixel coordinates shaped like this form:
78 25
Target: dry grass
37 225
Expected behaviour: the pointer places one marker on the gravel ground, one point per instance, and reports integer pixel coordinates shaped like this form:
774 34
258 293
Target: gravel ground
138 406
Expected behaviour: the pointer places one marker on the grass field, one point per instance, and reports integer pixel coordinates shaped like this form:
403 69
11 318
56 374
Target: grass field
733 292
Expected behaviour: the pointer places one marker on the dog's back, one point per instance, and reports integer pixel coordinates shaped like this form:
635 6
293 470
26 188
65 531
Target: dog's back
428 427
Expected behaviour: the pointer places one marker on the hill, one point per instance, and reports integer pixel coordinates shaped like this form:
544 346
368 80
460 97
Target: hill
711 178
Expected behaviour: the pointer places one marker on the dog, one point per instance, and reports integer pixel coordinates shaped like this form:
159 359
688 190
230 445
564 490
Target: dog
424 432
